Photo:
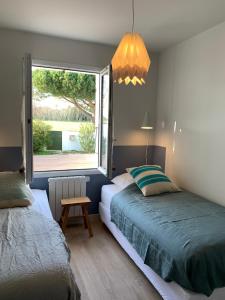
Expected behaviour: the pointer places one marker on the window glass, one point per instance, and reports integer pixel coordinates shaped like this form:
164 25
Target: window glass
65 129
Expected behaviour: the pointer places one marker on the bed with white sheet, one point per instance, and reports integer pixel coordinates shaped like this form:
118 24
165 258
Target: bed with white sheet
41 204
34 254
168 291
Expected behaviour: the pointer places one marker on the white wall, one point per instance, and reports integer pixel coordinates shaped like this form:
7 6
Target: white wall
132 102
70 141
191 91
129 103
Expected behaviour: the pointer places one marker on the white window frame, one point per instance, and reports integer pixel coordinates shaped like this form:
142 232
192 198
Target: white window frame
26 118
70 172
107 168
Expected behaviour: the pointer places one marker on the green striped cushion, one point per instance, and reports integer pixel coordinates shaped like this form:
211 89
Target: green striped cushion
151 180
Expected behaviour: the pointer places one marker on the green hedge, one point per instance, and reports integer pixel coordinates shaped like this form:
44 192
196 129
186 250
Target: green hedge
54 140
40 135
87 137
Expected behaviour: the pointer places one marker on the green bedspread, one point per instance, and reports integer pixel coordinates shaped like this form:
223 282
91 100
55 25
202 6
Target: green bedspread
181 236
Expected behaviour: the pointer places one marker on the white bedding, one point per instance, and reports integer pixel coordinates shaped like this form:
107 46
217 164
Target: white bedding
108 191
168 291
41 203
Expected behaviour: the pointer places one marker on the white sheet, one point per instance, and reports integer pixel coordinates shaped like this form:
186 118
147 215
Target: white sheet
108 191
41 203
168 291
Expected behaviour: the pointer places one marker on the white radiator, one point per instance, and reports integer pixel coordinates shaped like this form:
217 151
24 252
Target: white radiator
65 187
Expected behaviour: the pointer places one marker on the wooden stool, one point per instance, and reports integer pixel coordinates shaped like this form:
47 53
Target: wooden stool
67 203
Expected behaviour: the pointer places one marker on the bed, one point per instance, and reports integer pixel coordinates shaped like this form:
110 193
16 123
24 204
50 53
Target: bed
168 291
34 255
41 204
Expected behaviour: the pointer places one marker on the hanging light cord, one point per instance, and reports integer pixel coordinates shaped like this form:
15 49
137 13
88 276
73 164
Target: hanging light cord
132 16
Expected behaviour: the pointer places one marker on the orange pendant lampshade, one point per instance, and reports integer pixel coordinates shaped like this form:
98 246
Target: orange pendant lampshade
131 61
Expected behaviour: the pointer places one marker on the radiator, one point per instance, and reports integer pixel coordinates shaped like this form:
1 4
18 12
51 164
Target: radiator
65 187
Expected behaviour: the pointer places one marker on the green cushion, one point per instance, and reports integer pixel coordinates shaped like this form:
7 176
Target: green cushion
13 191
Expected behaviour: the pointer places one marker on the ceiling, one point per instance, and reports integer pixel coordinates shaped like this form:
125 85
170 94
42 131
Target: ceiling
162 23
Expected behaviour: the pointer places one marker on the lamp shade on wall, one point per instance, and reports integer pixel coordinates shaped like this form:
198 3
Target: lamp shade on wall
146 124
131 62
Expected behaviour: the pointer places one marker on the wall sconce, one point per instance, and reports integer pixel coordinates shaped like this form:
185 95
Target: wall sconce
146 125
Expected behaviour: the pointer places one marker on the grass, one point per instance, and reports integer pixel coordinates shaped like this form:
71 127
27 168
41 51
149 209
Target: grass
64 125
48 152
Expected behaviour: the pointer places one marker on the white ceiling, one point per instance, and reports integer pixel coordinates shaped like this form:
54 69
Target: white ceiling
161 22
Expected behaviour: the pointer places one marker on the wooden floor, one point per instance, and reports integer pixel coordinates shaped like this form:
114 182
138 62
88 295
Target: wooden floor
103 271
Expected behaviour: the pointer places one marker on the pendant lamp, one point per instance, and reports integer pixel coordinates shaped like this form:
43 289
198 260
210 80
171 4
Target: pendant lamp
131 62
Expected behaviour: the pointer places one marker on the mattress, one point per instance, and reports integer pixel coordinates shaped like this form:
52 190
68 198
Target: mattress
41 203
108 191
169 291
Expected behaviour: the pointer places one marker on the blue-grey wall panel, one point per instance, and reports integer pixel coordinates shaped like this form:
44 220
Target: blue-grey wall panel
132 156
10 158
123 157
159 156
93 188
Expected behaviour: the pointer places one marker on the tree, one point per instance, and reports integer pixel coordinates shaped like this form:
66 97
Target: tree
76 88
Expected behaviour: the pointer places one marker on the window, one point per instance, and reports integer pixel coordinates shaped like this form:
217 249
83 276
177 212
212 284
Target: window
68 115
65 130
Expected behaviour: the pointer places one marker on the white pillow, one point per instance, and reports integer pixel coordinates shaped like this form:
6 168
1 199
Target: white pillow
123 180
